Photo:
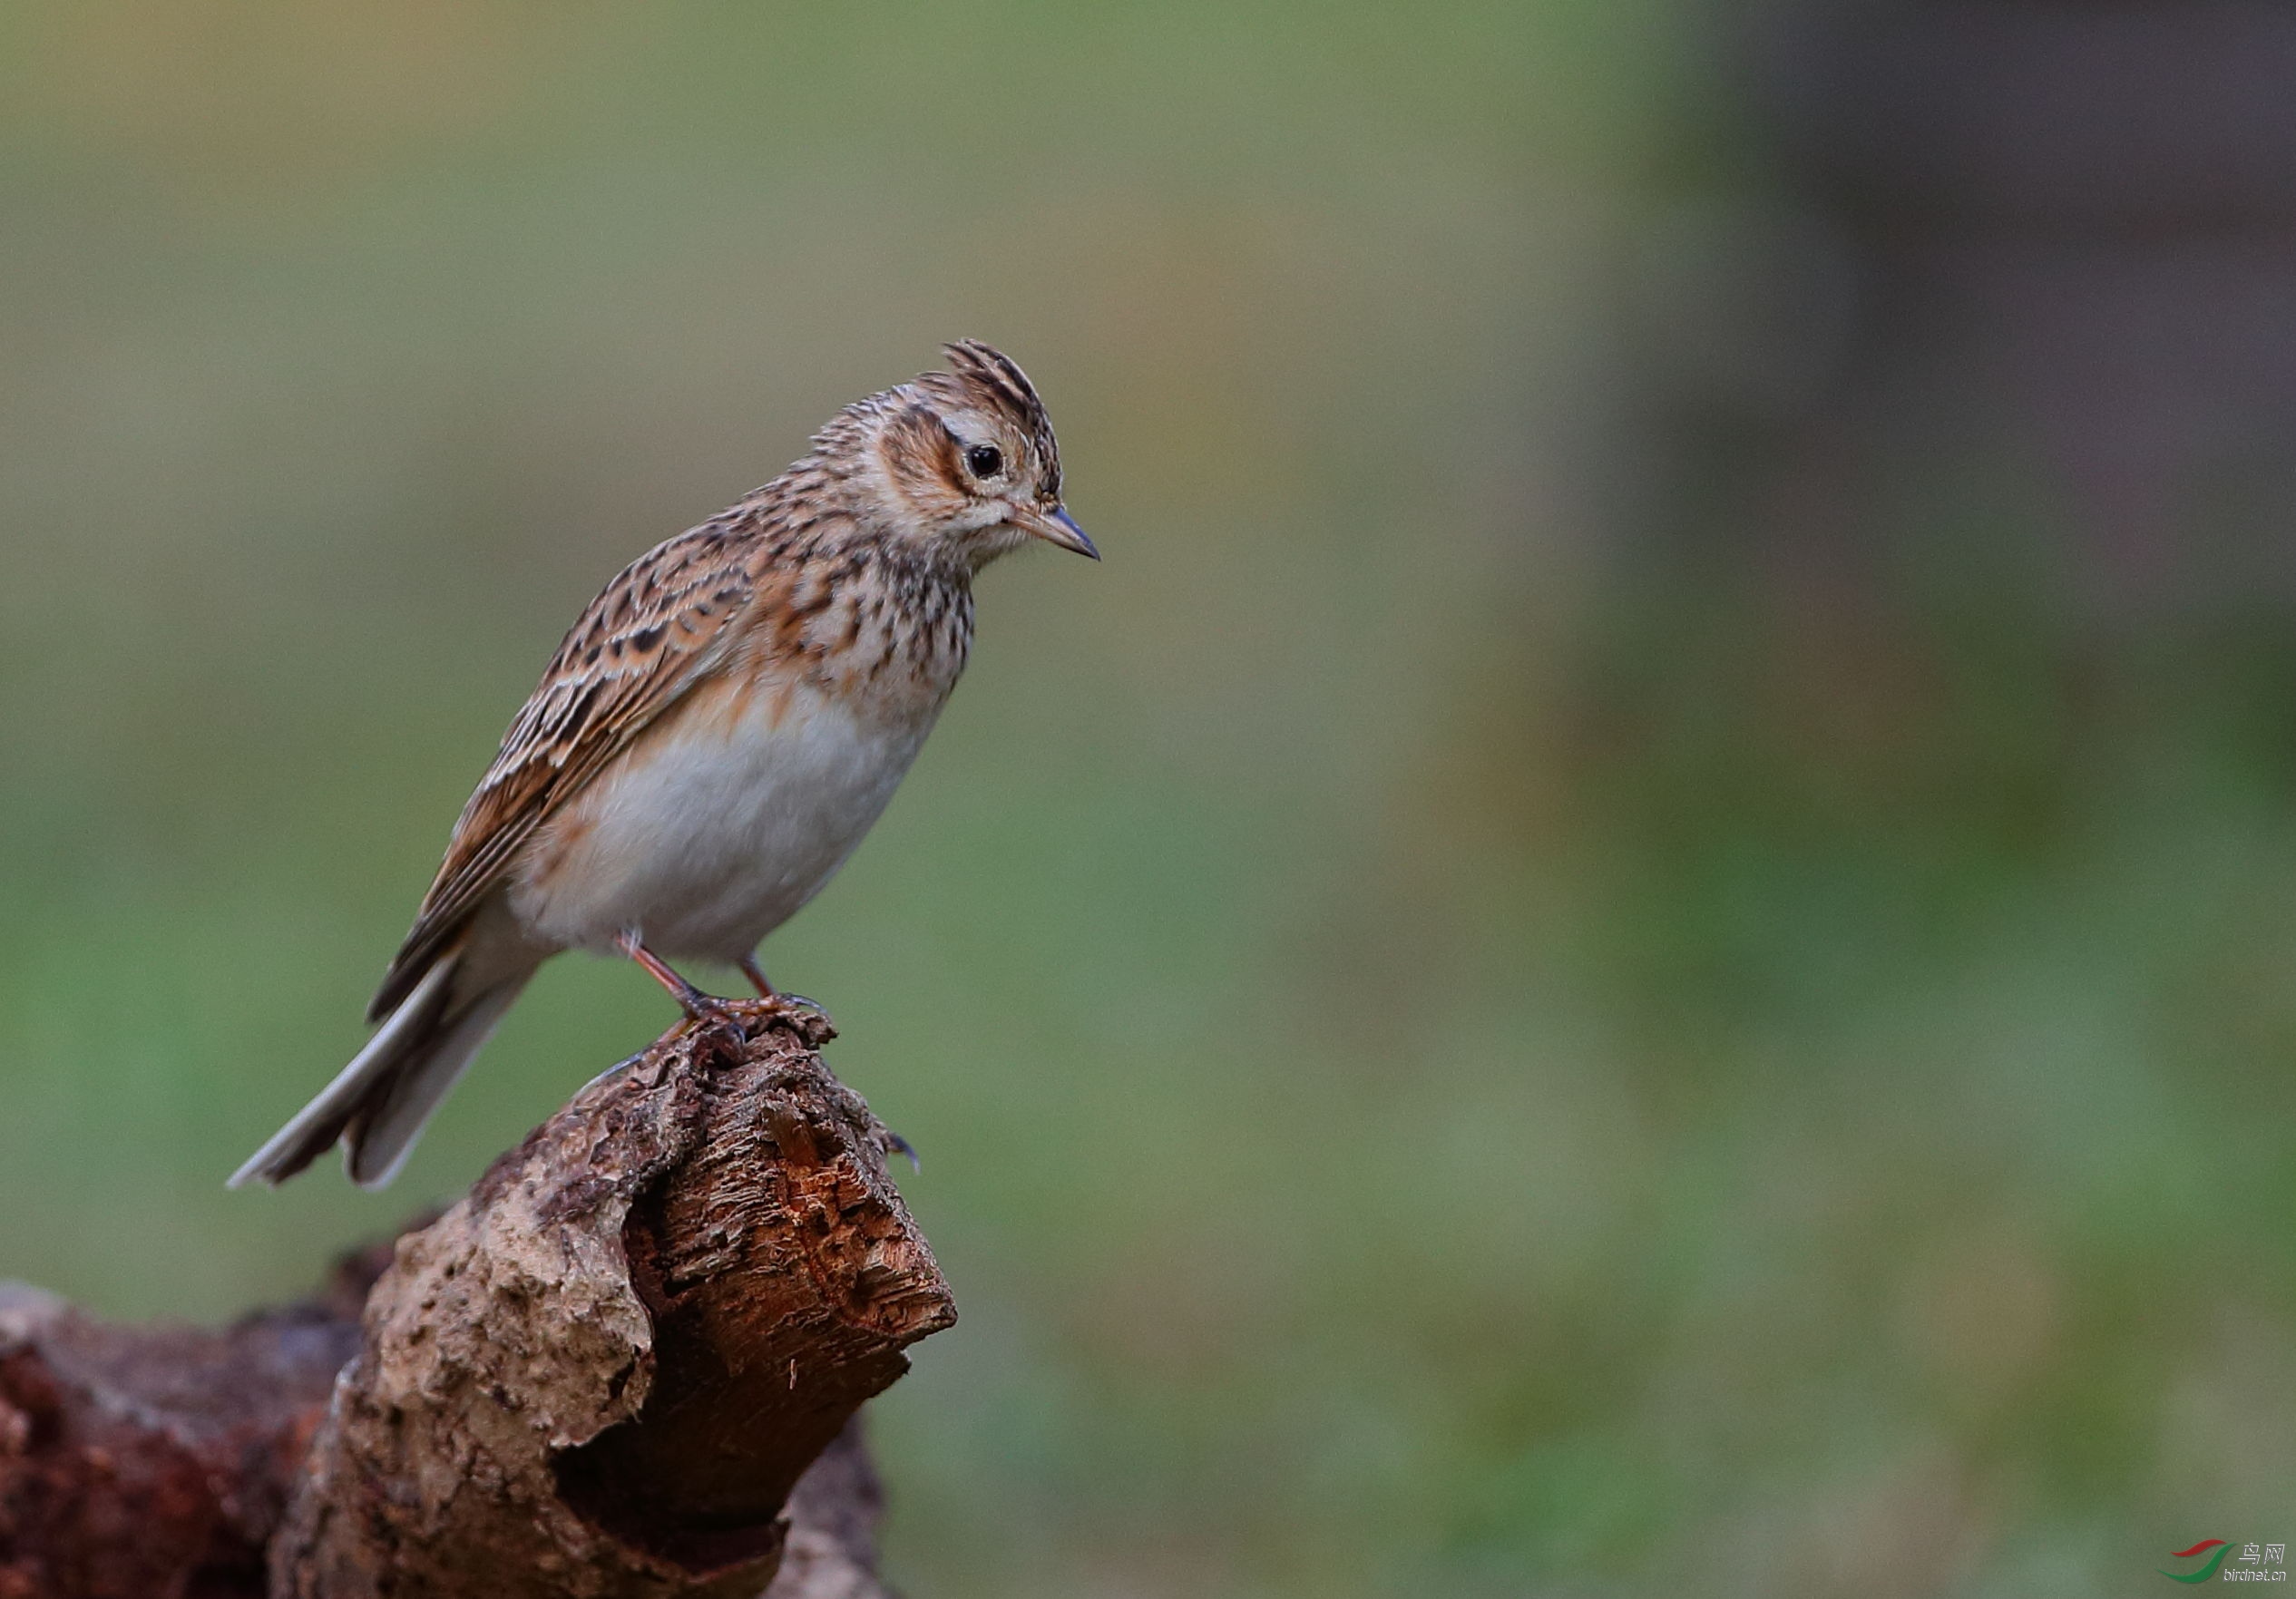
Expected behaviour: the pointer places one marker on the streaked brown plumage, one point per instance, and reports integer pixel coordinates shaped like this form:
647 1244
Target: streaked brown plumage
713 736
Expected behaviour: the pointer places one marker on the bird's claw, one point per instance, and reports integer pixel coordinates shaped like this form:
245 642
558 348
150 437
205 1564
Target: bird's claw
892 1143
744 1019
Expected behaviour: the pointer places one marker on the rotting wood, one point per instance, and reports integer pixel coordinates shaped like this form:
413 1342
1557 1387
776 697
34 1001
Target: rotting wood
628 1363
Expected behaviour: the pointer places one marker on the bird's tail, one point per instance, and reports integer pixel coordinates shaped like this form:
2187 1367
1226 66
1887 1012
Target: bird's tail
376 1105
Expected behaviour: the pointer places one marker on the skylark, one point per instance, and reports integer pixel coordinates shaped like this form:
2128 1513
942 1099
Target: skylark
712 738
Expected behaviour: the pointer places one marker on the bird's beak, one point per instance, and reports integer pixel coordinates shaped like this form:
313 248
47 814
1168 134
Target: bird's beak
1055 526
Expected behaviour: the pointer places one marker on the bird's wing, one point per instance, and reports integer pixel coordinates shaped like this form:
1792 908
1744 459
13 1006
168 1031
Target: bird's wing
640 645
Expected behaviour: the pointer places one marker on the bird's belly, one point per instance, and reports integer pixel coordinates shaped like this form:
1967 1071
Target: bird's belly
715 829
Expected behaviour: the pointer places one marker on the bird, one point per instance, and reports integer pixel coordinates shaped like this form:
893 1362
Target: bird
711 740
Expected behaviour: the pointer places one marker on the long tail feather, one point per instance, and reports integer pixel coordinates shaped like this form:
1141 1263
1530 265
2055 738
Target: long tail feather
376 1105
382 1136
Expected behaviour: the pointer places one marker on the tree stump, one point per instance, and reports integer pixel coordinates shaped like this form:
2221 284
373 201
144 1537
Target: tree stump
628 1363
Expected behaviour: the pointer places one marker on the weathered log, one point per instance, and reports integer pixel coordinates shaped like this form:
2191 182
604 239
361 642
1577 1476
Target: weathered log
628 1363
142 1462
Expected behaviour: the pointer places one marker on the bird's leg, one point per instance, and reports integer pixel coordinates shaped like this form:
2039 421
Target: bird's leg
763 984
696 1004
756 976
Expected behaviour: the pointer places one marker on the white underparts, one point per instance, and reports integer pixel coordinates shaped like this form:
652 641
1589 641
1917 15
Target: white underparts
715 827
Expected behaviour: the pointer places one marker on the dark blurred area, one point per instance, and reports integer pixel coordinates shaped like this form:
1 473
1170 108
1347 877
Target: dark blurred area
2024 251
1641 937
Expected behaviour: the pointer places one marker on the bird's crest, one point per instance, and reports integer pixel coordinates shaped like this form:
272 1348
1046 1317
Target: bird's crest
990 372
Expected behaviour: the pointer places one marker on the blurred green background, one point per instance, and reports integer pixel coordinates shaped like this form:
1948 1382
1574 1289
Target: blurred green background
1641 937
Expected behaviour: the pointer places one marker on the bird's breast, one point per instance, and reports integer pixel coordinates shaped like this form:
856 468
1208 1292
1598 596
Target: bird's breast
721 821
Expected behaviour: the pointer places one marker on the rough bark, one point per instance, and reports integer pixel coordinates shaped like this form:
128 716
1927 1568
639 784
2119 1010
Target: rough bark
628 1363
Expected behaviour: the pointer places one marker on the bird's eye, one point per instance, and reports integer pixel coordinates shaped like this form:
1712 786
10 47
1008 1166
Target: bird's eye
985 460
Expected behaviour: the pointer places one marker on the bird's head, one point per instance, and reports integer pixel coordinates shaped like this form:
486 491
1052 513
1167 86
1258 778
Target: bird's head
966 458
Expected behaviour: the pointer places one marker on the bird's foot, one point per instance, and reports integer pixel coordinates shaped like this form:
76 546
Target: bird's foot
702 1010
892 1143
808 1020
800 1015
745 1020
